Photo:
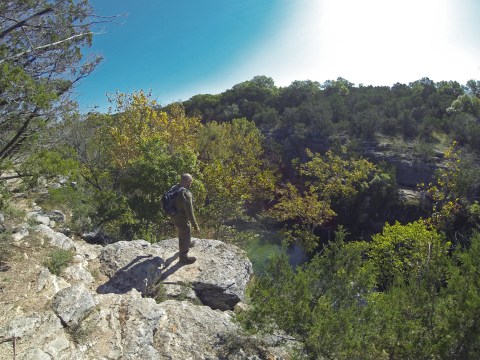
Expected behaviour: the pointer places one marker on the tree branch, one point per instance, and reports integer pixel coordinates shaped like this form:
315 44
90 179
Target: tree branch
10 146
24 22
44 46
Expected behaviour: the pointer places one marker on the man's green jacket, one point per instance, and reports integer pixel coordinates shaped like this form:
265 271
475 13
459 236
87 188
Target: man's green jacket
184 207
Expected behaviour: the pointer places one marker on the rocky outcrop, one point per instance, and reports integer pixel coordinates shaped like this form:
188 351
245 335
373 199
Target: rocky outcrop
411 168
140 304
218 278
183 322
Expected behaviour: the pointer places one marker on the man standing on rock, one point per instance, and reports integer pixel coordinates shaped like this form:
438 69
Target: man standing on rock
184 219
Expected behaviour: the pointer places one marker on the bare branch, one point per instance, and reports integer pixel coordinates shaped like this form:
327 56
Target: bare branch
8 148
45 46
24 22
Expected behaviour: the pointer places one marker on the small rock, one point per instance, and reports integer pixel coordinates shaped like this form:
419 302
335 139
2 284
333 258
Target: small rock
20 234
43 278
240 308
56 239
39 218
56 215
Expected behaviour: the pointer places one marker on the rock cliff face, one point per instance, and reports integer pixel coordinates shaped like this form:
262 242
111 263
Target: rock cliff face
127 300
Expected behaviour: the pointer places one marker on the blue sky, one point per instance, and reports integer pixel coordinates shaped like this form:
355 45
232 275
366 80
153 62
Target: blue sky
179 48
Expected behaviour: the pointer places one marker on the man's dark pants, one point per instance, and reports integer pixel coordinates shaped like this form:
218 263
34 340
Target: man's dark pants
184 237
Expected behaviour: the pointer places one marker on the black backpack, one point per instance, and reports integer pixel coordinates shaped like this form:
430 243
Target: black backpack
168 200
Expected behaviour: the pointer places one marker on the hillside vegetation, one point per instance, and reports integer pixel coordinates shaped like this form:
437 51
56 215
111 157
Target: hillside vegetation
392 270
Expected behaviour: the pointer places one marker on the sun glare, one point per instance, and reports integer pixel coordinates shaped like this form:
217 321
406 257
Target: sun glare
374 42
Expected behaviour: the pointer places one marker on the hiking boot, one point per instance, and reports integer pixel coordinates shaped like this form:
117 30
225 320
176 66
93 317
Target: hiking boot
187 260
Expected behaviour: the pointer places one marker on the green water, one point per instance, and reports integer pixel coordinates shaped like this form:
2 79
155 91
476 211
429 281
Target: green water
260 250
264 245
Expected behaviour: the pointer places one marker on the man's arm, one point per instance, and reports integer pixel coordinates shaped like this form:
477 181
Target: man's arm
189 209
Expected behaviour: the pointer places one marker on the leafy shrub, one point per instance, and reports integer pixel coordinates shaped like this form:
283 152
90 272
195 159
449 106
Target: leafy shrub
404 250
58 260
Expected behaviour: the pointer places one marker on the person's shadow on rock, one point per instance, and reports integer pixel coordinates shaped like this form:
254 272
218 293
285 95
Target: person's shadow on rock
135 275
139 274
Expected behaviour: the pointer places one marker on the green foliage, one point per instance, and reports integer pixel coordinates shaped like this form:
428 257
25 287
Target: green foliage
57 260
50 163
320 298
77 201
405 251
5 246
39 65
148 177
157 291
234 171
328 178
332 307
459 330
444 191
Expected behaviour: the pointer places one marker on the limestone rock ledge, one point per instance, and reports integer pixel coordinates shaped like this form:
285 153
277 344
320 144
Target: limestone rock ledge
142 304
127 300
218 277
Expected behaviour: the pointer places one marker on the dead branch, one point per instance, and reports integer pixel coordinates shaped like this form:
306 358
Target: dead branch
45 46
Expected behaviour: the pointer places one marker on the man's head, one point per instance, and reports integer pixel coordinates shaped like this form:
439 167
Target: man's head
186 180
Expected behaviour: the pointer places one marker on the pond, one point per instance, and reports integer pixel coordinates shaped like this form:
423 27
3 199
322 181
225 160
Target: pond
261 247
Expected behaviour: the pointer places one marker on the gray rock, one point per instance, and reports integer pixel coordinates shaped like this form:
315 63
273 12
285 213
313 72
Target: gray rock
98 237
123 327
88 251
182 292
130 265
50 284
56 215
190 331
49 338
21 327
44 277
56 239
408 196
77 274
218 277
20 234
35 353
39 217
72 304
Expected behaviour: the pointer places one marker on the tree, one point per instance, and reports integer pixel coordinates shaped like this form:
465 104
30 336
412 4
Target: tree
405 251
40 62
138 121
310 205
234 171
334 308
340 86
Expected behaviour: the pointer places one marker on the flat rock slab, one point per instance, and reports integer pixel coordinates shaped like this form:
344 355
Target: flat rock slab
218 277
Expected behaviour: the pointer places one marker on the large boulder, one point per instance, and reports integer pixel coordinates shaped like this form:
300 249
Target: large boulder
38 336
72 304
130 265
218 277
188 331
123 327
55 238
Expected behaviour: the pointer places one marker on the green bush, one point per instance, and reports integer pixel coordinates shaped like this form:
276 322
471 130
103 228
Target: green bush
405 250
57 260
333 309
